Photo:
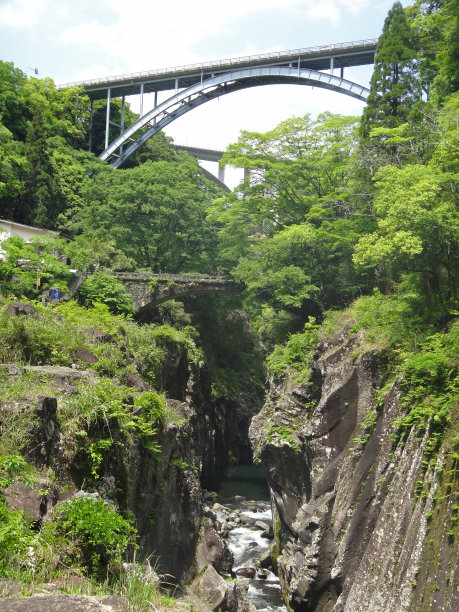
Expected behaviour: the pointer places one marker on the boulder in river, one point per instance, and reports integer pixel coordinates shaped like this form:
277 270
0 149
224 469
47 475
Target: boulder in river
246 572
220 594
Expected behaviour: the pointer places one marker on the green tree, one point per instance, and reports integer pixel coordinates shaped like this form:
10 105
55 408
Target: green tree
154 213
447 56
302 169
29 269
394 85
12 170
39 119
418 229
39 185
103 288
13 106
290 237
427 20
446 155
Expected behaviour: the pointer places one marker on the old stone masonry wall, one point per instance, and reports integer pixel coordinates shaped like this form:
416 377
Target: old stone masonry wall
351 524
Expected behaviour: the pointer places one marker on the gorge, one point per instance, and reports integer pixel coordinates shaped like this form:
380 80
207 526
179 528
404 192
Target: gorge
362 518
327 361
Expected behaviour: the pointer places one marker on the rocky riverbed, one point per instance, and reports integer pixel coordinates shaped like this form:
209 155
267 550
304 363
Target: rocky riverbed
246 527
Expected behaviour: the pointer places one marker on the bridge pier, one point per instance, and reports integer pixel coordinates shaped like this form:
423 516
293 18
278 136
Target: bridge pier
91 115
107 116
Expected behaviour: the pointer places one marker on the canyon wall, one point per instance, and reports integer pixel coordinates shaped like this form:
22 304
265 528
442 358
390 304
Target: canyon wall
362 521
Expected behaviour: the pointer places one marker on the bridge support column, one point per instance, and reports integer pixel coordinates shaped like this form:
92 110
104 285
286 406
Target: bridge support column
123 100
332 65
221 173
91 115
107 118
141 100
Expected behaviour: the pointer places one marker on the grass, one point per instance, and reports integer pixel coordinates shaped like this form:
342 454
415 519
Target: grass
139 588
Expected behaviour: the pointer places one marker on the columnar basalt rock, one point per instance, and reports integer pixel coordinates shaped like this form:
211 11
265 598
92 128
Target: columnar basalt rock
349 526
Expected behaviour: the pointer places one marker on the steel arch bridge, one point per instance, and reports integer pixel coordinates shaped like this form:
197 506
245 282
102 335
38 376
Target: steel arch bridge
194 85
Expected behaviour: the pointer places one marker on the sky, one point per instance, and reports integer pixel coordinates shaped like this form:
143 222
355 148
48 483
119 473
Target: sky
74 40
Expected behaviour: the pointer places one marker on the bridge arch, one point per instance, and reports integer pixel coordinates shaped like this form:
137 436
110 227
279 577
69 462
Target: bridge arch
214 87
149 290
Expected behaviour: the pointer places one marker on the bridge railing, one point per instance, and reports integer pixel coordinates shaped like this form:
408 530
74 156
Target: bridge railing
221 63
177 278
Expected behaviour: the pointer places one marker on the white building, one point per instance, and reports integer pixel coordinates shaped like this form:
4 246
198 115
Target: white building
26 232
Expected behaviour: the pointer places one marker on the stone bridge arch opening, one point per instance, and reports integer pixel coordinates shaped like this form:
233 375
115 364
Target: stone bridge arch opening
150 290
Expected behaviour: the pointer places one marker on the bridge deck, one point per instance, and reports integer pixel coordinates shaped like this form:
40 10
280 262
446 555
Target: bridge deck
174 278
165 79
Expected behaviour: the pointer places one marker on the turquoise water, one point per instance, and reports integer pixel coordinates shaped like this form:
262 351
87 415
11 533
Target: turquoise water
244 481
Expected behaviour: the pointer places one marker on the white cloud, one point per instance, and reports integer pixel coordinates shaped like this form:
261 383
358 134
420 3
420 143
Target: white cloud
22 13
145 35
334 10
96 38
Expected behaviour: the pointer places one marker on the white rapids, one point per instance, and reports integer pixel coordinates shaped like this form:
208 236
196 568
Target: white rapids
247 546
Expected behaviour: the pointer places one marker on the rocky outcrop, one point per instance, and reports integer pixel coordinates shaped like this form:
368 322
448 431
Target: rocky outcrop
220 594
58 603
161 488
212 549
39 417
164 493
351 532
153 472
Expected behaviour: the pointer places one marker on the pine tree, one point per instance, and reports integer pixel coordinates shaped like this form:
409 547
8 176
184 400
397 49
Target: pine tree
447 81
37 201
394 87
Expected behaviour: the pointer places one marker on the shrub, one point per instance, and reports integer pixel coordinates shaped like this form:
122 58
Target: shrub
152 343
101 287
98 315
15 534
97 529
296 354
36 340
430 381
139 587
15 539
103 415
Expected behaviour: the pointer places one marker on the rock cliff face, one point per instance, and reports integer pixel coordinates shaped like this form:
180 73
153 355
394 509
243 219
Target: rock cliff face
351 524
161 489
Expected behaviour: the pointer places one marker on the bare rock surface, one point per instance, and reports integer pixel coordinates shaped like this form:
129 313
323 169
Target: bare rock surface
63 373
350 529
21 309
220 594
56 603
84 355
213 549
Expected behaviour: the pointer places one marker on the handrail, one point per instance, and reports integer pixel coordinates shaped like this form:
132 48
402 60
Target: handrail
219 63
165 276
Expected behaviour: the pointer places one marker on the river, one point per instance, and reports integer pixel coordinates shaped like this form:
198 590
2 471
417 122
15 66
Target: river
244 488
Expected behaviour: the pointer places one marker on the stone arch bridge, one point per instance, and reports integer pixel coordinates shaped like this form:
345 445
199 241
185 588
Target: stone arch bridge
153 289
